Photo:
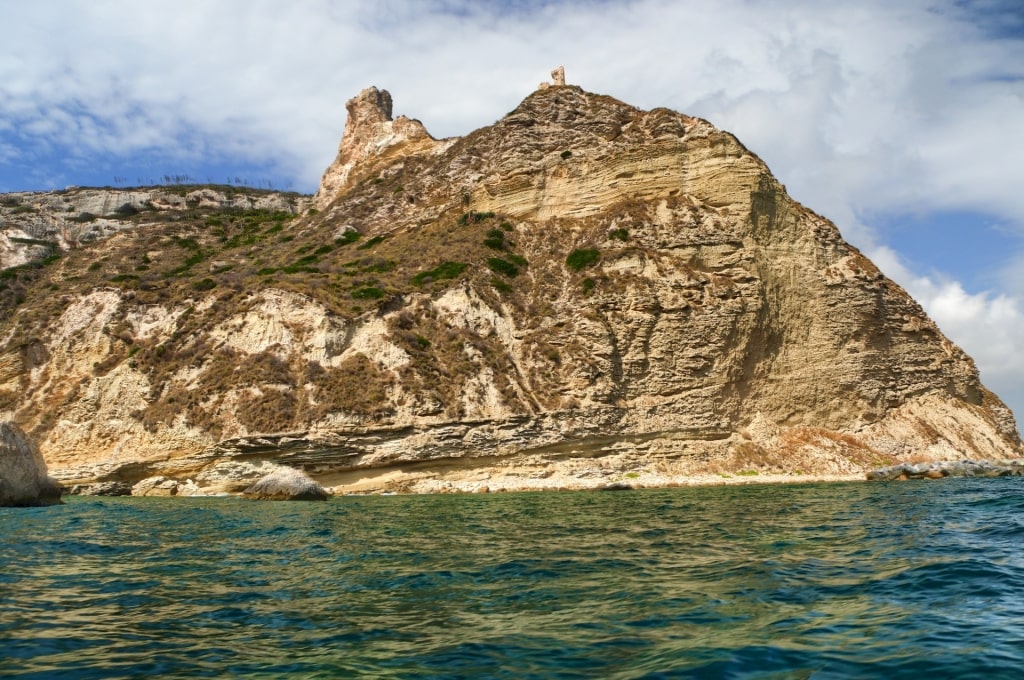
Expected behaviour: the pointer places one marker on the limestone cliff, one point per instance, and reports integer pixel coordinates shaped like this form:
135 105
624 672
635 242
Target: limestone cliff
581 293
23 478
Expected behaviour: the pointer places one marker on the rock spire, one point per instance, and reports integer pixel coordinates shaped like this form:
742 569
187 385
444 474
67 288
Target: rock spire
370 132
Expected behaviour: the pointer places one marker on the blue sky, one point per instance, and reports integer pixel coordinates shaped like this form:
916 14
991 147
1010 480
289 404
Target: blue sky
902 122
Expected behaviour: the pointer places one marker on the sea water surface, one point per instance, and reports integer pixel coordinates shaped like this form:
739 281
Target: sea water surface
882 580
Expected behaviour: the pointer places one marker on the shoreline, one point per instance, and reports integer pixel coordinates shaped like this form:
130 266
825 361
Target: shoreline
539 478
434 486
617 483
578 473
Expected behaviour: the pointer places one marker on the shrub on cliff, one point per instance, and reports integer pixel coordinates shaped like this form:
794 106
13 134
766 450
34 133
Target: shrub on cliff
582 257
500 266
445 270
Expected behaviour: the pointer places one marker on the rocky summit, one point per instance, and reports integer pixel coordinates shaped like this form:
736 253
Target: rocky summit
583 294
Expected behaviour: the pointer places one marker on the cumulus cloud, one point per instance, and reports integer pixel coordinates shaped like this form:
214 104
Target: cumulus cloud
865 110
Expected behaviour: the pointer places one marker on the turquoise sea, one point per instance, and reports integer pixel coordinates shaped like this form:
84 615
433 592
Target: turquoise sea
884 580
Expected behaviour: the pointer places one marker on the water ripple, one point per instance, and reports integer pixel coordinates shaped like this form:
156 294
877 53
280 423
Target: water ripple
822 581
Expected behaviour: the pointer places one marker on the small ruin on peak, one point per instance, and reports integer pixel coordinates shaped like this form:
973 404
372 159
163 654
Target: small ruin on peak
558 75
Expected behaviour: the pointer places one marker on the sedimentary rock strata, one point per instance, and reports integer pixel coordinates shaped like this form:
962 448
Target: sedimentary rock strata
372 138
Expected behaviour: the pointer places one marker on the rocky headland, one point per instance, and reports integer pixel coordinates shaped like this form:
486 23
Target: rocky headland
581 295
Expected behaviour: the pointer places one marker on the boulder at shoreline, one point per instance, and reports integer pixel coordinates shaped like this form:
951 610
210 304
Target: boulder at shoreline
23 478
286 484
948 468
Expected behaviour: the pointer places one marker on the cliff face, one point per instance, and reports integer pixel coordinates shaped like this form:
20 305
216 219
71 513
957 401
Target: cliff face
581 291
38 225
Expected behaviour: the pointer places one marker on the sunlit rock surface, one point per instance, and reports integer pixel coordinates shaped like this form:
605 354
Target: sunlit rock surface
23 478
581 294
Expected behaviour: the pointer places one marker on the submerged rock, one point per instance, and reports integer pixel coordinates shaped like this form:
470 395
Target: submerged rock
286 484
102 489
23 478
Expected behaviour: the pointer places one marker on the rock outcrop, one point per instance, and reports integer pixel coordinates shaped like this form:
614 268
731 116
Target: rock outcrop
582 294
371 139
948 468
23 478
102 489
37 226
286 484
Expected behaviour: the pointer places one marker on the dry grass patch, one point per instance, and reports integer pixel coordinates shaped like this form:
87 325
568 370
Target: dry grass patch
272 408
357 386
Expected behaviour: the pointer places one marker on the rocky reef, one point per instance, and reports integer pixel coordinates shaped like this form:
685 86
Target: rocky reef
583 293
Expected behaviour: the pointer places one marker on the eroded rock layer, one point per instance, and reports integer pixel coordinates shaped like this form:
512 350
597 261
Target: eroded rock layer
580 292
